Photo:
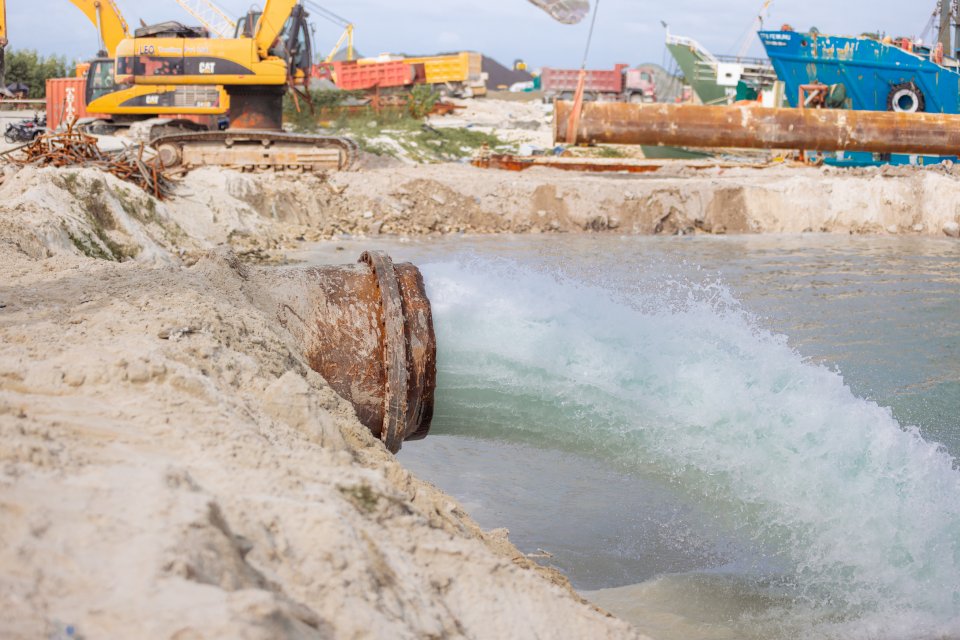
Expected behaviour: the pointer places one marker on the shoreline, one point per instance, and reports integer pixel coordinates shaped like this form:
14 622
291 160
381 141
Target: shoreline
212 484
262 216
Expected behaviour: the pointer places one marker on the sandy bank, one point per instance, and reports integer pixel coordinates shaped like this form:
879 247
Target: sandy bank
170 467
51 211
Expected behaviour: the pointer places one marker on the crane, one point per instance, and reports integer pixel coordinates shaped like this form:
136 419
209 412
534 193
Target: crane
757 24
211 16
343 23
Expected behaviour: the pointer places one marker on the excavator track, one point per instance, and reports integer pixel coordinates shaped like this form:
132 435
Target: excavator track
256 150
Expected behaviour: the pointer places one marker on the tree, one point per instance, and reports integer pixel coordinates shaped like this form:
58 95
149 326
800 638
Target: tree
30 68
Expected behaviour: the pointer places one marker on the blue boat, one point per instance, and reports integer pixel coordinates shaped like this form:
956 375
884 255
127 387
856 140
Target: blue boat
875 75
867 73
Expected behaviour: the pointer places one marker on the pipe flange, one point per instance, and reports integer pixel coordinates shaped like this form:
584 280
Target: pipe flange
394 349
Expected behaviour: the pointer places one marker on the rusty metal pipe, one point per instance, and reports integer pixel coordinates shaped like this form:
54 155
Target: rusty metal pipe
761 128
367 328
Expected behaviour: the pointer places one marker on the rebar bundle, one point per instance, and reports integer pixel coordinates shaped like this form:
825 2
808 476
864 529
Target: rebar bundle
73 148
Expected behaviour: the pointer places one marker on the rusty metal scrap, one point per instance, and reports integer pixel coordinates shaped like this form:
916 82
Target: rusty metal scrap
509 162
73 148
368 330
762 128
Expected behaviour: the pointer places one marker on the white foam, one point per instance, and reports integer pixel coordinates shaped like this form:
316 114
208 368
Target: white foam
864 515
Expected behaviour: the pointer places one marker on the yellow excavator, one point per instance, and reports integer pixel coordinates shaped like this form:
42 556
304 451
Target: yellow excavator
127 104
272 51
122 103
255 72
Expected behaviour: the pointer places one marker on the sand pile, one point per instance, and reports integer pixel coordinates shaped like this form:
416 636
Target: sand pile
170 467
519 122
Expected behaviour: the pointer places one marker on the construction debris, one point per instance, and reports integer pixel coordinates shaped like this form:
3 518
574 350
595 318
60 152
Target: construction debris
73 148
486 160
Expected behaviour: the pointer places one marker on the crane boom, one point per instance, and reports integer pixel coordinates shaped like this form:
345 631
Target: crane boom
211 16
757 24
340 21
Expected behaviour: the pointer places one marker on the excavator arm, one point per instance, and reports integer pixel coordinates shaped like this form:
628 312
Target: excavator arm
270 26
106 17
3 49
3 24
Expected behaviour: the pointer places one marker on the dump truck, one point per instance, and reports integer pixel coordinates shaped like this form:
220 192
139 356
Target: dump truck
457 74
620 84
353 76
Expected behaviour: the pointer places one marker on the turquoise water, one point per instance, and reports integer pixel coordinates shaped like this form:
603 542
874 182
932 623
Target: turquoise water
769 423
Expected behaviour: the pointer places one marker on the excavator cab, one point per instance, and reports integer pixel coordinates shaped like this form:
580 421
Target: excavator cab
100 79
247 24
293 44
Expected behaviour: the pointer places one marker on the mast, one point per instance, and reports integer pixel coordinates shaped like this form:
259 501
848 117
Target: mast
955 10
944 32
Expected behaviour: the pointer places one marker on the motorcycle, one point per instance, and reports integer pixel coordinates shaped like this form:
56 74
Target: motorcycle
25 130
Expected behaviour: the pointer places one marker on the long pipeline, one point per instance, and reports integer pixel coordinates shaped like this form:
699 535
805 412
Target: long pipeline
761 128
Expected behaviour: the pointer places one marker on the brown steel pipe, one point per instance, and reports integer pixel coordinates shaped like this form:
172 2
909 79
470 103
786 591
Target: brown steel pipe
367 328
761 128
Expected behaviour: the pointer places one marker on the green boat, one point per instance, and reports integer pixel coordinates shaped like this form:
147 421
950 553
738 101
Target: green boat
719 79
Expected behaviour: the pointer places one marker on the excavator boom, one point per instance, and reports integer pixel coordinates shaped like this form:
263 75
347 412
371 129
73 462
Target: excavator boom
3 23
3 49
272 21
106 17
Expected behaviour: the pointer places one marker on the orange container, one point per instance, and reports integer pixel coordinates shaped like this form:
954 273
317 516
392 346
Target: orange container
66 100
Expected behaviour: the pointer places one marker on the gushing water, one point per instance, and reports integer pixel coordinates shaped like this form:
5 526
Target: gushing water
854 518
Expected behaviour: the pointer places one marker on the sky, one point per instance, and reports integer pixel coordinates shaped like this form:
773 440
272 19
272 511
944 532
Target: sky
628 31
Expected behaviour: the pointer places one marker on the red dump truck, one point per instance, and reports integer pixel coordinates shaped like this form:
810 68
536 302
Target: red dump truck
352 76
621 84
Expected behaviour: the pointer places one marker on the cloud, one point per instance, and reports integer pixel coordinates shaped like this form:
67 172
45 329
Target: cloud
639 28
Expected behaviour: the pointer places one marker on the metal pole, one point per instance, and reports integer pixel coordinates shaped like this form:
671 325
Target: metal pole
944 35
582 78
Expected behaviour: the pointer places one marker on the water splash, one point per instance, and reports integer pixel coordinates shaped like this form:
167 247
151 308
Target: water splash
859 517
